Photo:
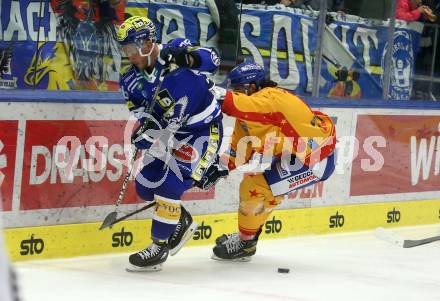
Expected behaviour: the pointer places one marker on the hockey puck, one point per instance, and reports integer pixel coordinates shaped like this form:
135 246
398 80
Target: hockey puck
283 270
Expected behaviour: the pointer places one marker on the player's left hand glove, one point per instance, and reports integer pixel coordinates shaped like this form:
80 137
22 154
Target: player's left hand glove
176 52
142 137
212 175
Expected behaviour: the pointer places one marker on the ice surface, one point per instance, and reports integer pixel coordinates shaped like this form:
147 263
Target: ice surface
349 267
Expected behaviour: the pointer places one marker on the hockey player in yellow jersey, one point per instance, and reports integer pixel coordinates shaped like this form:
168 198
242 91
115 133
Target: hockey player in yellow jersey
298 143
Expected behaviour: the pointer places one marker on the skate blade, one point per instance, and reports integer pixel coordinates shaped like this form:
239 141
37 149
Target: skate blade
187 236
135 269
241 259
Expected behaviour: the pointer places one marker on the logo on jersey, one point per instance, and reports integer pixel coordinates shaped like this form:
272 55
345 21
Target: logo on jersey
165 100
301 179
215 59
323 123
186 153
185 43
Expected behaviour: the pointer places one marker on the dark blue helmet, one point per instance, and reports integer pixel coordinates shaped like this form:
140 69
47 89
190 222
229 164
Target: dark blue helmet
246 73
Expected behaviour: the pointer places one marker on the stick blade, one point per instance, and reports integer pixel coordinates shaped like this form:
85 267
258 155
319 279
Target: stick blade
109 220
414 243
389 236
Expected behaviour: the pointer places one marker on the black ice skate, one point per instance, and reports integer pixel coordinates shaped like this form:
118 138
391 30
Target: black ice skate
235 249
149 259
224 237
184 231
221 239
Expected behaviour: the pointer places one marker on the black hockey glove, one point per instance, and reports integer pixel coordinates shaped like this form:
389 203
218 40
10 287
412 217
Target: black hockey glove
212 175
151 137
145 135
179 56
167 54
178 51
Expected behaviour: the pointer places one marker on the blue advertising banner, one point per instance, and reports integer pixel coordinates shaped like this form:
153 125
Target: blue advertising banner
84 55
284 41
59 45
365 42
20 29
280 40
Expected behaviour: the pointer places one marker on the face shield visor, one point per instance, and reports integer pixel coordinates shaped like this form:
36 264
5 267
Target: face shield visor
241 88
138 48
130 50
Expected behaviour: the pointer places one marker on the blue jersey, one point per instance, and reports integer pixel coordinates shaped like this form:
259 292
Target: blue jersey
187 108
185 102
138 86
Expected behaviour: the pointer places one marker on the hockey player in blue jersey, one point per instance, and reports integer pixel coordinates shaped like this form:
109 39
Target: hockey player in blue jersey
183 134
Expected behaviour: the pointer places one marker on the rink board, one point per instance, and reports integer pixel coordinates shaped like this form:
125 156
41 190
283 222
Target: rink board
388 167
377 162
63 241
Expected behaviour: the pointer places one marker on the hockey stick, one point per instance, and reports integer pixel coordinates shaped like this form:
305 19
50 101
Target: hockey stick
124 217
396 239
111 218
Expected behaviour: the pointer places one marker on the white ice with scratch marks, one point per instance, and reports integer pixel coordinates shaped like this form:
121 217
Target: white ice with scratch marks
351 267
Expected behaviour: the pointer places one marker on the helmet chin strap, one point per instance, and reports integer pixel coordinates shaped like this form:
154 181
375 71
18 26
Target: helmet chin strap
148 55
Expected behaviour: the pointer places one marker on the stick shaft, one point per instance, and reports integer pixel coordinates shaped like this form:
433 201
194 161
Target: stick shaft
126 180
136 151
152 204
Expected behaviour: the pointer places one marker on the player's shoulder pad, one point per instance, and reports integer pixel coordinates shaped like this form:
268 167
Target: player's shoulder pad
206 52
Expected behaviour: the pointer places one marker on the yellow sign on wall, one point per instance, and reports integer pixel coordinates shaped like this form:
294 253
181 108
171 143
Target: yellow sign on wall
85 239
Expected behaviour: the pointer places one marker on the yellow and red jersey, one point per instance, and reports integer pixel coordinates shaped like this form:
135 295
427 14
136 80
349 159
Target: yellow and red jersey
278 121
